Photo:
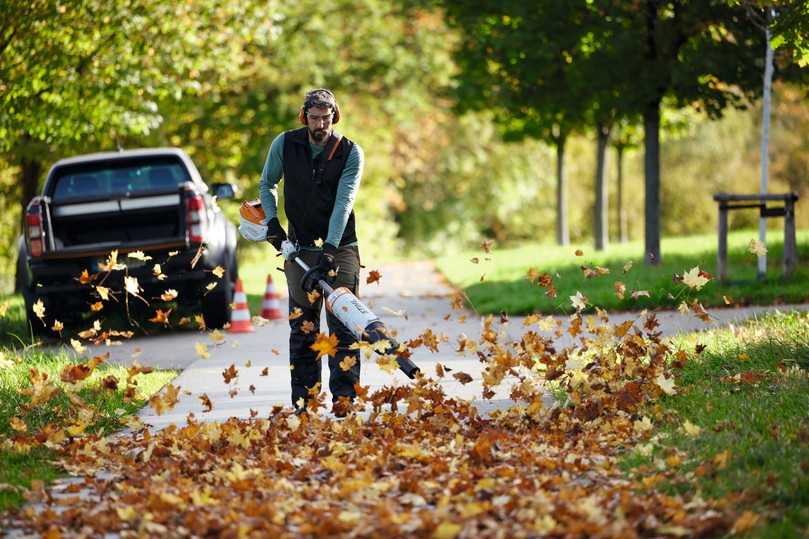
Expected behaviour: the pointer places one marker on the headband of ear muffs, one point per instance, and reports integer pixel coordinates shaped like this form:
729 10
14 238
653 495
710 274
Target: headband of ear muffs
335 107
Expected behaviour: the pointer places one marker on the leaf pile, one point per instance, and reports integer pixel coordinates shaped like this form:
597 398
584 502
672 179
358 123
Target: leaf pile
412 461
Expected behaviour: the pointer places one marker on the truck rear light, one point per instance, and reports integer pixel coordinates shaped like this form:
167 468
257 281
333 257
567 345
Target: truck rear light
33 228
196 218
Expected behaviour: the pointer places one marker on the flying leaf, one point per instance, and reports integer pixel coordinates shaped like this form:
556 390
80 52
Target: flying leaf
620 289
487 245
97 306
307 327
217 336
348 362
39 310
627 266
161 317
57 326
104 292
319 242
579 252
373 277
265 371
579 301
313 296
207 405
157 271
462 377
84 278
131 285
219 271
210 286
325 345
694 278
230 373
77 346
202 350
757 248
640 293
138 255
169 295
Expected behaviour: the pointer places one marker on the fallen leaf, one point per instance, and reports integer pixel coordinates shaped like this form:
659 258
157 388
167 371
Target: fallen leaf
39 310
745 522
691 429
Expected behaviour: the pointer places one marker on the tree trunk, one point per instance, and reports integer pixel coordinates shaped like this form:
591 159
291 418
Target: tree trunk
651 162
562 234
601 228
623 228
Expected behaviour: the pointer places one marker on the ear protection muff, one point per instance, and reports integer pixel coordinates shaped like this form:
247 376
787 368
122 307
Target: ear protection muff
335 115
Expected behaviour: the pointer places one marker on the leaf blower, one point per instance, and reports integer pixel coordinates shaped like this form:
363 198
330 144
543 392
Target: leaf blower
350 311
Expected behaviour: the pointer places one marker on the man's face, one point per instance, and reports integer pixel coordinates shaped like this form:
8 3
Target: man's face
318 121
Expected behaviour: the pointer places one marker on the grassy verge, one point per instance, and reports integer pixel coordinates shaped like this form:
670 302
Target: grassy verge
738 428
498 280
100 410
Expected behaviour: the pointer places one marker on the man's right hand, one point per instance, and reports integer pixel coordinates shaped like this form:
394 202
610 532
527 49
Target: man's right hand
275 233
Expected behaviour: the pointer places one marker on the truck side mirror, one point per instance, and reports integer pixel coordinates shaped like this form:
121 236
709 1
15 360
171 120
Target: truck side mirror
224 190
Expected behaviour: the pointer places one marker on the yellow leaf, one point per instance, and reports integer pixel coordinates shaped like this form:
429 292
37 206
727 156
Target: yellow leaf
169 295
447 530
744 356
104 292
219 271
721 459
757 248
296 313
97 306
691 429
138 255
202 350
683 308
638 293
217 336
627 266
77 346
579 301
18 424
313 296
84 278
348 362
319 242
200 321
39 309
57 326
746 521
131 284
173 253
620 289
325 345
694 279
127 514
210 286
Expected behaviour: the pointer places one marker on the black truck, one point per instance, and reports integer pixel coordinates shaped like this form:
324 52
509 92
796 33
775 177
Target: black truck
149 201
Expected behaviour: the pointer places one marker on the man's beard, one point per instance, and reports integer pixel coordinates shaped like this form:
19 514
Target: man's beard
318 135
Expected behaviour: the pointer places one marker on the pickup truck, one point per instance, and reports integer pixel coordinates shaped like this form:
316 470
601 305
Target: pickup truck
151 201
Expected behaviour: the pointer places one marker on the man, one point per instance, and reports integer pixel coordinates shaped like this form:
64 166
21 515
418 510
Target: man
322 172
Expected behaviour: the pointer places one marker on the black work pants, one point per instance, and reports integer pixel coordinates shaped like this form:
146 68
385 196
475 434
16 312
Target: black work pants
303 360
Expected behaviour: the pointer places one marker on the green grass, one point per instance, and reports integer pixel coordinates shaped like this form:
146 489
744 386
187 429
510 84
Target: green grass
764 425
505 287
18 469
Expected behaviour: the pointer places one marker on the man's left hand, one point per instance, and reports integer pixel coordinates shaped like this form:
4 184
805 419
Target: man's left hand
327 263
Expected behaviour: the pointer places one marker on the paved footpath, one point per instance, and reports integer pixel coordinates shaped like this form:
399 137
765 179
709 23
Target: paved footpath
411 297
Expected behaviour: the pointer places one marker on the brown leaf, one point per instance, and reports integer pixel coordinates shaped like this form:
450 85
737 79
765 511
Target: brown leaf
462 377
373 277
230 373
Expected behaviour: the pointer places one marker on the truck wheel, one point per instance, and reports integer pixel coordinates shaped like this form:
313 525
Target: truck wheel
216 304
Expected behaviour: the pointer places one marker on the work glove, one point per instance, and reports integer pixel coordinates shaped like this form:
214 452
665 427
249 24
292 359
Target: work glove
327 262
275 233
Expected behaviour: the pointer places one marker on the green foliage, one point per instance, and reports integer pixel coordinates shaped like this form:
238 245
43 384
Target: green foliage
748 391
499 282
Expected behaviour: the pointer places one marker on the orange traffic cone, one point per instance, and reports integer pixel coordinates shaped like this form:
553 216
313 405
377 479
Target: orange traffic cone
240 317
270 308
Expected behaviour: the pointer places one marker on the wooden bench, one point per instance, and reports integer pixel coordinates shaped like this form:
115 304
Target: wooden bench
731 201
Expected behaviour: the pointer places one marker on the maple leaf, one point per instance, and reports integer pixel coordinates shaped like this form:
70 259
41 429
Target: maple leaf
318 242
97 306
665 384
18 424
75 373
313 296
690 429
462 377
325 345
200 321
104 292
230 373
77 346
757 248
161 317
207 405
138 255
265 371
84 278
169 295
579 301
157 271
373 277
39 310
217 336
132 286
57 326
348 362
296 313
694 278
111 263
202 350
219 271
307 327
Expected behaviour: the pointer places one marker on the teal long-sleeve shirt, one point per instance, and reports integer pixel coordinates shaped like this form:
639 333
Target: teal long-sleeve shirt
347 187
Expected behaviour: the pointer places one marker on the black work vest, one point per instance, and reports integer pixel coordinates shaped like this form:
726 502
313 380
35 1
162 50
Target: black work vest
308 202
